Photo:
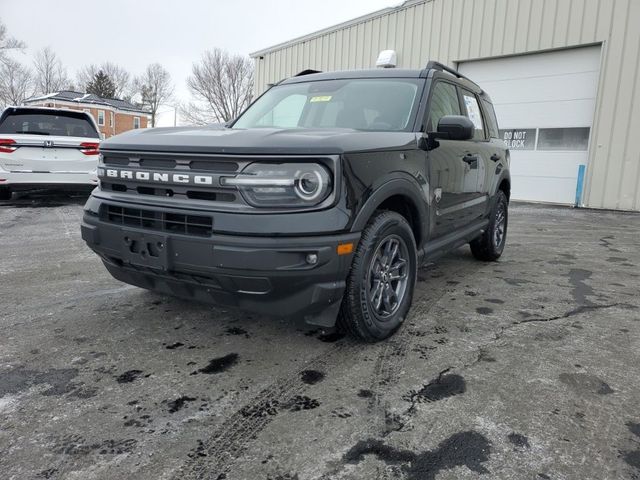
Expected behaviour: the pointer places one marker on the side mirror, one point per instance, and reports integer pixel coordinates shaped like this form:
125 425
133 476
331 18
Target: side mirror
455 127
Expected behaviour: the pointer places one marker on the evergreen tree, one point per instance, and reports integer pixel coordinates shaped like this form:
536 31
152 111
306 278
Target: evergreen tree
102 85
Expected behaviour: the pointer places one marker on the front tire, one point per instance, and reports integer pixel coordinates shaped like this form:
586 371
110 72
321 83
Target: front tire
382 278
490 245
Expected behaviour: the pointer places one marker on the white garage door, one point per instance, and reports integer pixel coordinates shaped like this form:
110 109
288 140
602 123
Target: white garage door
545 104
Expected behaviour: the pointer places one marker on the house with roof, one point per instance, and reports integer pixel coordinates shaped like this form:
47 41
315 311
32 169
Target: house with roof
112 115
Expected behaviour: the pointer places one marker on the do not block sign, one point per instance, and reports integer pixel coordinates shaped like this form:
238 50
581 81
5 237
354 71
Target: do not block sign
519 138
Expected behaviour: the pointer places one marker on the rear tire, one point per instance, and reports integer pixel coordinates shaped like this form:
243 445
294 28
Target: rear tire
490 245
382 278
5 194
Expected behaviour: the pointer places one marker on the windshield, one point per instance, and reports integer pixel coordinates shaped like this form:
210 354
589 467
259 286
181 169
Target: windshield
65 124
372 104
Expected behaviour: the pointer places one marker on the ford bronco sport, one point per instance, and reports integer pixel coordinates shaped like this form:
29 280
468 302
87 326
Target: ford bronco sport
321 200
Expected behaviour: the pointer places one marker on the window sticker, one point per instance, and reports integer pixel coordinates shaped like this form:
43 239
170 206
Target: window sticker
474 111
321 98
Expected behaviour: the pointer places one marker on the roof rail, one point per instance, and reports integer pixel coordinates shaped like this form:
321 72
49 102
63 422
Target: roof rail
439 66
308 71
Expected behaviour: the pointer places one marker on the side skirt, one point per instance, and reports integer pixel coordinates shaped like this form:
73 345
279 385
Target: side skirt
441 245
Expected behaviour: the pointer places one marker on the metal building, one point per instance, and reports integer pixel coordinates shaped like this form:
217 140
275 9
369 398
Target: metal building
563 75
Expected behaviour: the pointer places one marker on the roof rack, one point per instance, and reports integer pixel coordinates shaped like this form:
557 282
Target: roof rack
308 71
439 66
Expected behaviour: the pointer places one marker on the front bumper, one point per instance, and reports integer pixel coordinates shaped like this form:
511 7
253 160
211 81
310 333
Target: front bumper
266 275
23 180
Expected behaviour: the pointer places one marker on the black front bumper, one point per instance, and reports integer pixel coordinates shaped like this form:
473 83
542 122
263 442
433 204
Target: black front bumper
266 275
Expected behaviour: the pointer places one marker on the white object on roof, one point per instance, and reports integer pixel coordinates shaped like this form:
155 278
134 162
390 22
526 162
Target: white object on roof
42 97
387 59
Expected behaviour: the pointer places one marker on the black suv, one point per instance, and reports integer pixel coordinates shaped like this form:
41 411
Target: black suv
321 200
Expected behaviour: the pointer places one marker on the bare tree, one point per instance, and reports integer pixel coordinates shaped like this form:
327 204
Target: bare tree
192 113
155 88
222 86
8 43
15 82
118 75
50 75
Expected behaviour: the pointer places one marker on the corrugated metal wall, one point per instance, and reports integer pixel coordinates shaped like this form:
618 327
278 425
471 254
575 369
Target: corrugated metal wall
452 31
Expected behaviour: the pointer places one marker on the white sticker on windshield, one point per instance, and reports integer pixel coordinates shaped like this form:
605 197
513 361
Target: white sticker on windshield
321 98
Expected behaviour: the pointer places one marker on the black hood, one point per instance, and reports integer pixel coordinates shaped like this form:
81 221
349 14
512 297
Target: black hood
258 141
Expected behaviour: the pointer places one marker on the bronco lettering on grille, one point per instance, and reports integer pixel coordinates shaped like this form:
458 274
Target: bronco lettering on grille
158 177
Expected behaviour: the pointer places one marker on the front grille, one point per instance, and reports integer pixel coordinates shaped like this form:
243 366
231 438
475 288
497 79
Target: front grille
113 160
164 162
213 166
199 225
216 195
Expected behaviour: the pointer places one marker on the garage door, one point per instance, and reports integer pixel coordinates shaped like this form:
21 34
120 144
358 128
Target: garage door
545 104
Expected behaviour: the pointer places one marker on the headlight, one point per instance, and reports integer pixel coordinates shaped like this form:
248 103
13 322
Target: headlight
282 185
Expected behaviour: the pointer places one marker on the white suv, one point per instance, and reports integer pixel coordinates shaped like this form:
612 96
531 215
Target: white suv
47 148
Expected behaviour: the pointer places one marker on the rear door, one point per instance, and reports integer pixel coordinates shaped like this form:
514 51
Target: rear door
480 148
38 140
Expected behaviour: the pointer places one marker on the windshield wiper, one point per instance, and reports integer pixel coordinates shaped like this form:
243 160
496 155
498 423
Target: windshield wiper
34 132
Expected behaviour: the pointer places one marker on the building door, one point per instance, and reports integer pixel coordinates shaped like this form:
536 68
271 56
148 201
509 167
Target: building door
545 104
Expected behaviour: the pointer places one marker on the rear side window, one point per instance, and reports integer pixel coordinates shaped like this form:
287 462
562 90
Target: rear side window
492 122
474 114
65 124
444 101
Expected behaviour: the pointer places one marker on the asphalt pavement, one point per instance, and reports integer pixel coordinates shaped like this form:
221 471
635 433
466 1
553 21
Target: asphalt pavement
526 368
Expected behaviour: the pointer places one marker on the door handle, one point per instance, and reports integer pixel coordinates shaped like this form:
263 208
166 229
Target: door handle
495 157
470 159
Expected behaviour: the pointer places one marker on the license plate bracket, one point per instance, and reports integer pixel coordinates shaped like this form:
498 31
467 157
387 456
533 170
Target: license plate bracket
146 250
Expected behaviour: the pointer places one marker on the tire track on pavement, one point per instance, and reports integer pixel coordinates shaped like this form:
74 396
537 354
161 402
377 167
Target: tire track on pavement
214 457
389 365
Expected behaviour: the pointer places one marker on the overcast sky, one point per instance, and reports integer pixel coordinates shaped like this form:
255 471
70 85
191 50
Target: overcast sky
134 33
